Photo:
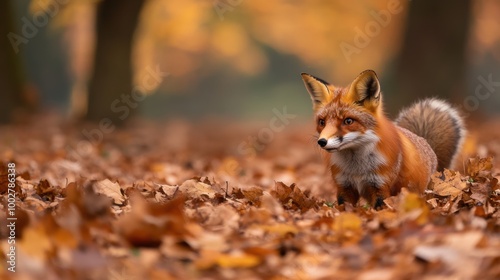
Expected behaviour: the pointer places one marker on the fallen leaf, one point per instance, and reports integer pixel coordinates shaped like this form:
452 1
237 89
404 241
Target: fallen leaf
253 194
193 188
170 191
45 190
111 190
479 167
413 207
237 260
348 227
149 222
280 229
451 185
480 192
292 197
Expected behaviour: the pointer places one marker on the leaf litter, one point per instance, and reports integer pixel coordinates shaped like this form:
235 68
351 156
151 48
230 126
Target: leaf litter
140 206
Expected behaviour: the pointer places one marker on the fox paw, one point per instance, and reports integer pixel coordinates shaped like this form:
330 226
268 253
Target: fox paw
379 202
340 200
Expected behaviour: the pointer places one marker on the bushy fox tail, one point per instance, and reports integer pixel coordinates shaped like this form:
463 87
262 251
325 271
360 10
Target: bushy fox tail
438 123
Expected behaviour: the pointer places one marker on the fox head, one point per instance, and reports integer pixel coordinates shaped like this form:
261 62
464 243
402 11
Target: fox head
346 118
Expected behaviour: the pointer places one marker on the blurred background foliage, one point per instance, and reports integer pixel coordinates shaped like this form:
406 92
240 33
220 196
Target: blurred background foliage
240 58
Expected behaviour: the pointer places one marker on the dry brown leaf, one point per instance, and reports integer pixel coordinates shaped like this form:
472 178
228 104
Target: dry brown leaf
148 222
479 167
89 204
480 192
168 190
388 218
449 183
348 227
45 190
194 188
292 197
253 194
271 204
413 207
222 217
111 190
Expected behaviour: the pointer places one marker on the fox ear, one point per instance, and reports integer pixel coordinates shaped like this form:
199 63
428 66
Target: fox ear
365 90
318 89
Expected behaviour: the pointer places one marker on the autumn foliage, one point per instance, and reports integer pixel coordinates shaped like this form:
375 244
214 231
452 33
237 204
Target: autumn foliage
155 202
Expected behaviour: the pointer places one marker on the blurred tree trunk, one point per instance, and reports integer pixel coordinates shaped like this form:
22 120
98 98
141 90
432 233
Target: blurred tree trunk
433 55
112 76
10 68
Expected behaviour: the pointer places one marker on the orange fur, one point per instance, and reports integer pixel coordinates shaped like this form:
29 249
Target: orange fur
370 156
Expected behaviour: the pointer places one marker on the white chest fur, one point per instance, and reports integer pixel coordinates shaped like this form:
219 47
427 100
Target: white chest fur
357 166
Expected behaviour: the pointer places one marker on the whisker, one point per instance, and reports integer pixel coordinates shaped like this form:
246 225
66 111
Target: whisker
314 138
314 141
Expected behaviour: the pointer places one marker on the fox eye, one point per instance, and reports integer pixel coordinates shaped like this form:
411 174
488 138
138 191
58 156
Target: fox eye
321 122
348 121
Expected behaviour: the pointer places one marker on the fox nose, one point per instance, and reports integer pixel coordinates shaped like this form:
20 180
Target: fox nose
322 142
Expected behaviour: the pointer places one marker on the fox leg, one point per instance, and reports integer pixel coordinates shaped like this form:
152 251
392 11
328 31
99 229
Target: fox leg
347 193
376 194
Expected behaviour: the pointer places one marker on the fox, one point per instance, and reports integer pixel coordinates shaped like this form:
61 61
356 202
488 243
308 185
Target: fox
372 157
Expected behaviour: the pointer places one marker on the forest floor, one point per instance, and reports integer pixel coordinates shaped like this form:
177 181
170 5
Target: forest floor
217 200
